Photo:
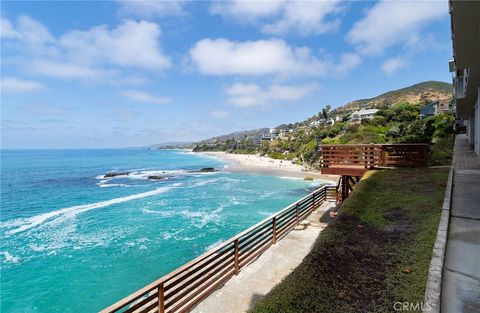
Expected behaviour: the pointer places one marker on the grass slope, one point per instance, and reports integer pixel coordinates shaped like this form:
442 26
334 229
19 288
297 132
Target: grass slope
375 253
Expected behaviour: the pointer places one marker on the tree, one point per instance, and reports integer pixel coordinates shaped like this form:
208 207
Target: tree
325 112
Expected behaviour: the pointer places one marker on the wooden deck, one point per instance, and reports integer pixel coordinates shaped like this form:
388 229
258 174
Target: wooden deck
355 160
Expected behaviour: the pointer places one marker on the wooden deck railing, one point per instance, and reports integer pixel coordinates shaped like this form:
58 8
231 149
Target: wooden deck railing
182 289
354 160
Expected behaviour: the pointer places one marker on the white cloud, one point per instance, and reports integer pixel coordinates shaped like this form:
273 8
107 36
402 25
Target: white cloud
12 84
150 8
348 61
131 44
389 23
245 95
305 17
280 16
219 114
391 65
250 10
141 96
7 30
261 57
27 30
99 53
48 67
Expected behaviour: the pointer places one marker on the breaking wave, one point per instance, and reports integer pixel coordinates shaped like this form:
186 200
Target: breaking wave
30 222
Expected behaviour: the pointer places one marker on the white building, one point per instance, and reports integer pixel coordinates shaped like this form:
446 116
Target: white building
319 122
330 121
274 132
363 114
466 66
285 132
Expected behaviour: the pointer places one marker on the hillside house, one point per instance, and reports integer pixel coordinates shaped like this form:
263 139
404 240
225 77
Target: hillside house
435 108
330 121
285 132
358 116
442 106
274 132
428 110
319 122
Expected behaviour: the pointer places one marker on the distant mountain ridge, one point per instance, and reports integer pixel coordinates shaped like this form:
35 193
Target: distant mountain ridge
236 135
415 94
170 145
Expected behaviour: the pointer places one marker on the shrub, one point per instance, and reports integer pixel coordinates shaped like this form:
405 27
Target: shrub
441 151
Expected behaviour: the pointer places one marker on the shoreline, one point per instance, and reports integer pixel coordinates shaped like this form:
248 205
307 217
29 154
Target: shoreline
254 164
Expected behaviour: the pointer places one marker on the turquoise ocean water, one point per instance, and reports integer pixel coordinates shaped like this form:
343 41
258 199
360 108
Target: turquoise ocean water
73 241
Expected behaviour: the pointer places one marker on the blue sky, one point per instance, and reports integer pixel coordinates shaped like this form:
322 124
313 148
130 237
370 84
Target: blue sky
132 73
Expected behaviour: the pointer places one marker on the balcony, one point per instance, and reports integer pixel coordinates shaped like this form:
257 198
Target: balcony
355 160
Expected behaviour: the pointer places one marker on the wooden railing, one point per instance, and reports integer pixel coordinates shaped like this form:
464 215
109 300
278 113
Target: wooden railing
354 160
182 289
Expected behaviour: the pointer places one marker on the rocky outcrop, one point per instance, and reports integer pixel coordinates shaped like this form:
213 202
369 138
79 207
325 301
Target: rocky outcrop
207 170
155 177
204 170
115 174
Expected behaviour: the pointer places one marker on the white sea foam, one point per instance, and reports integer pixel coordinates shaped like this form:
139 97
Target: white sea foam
291 178
10 258
215 180
30 222
215 244
143 174
198 218
162 213
265 213
205 182
105 185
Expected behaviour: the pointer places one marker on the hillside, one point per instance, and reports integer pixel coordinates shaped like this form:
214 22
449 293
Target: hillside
236 135
170 145
396 120
416 94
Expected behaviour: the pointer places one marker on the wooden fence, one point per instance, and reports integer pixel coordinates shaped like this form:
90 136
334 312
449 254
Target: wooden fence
354 160
182 289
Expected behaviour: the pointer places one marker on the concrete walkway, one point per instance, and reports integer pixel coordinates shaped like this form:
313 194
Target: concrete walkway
241 292
461 277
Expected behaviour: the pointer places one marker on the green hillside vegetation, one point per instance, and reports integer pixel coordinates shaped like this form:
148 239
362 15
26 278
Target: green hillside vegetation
397 122
376 252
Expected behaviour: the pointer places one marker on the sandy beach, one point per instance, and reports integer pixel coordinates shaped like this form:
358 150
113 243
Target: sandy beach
248 163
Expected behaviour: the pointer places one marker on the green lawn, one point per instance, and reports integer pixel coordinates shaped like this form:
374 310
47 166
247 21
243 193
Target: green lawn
376 252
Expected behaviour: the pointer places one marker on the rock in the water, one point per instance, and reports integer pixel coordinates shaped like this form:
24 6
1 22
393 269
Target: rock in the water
155 177
207 169
115 174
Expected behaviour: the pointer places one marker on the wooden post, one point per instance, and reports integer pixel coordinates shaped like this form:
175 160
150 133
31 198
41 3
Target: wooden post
344 187
161 299
236 257
382 156
274 230
425 155
297 214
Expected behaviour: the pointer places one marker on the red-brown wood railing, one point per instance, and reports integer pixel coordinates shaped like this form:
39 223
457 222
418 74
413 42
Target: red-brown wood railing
350 159
185 287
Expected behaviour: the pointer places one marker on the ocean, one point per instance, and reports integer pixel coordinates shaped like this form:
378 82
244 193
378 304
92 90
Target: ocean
75 241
